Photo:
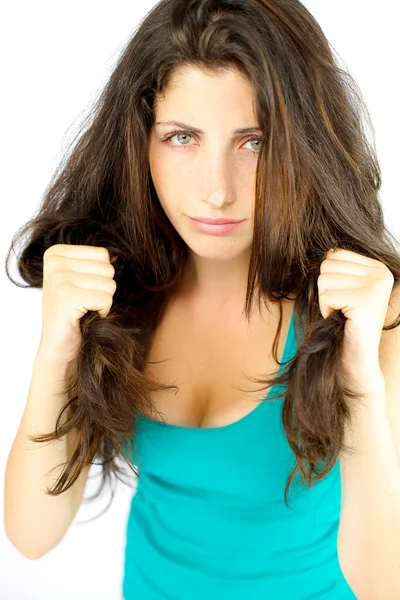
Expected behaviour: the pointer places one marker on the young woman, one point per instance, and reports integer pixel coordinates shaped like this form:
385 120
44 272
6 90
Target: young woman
185 250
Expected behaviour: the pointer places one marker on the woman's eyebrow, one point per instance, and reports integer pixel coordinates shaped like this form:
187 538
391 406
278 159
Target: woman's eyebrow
196 130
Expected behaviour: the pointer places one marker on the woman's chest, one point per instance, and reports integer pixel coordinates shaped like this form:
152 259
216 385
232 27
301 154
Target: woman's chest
212 361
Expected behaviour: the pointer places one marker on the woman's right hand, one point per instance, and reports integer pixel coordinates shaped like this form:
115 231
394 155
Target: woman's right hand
75 279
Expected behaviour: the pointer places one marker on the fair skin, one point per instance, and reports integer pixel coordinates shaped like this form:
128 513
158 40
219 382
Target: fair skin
209 174
204 344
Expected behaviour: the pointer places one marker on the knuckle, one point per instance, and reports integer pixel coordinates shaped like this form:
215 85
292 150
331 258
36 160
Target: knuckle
52 263
47 254
51 249
104 254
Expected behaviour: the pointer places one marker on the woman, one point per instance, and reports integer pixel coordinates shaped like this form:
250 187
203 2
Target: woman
232 110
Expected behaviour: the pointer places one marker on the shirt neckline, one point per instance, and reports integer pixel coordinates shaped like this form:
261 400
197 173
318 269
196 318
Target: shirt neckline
184 428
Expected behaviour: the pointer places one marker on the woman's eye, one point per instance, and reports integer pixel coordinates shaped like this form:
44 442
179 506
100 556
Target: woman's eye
255 139
176 134
187 134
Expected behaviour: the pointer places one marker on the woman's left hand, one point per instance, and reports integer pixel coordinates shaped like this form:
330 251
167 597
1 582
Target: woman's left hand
360 287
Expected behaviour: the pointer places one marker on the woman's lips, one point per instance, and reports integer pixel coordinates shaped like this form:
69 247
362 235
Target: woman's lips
219 228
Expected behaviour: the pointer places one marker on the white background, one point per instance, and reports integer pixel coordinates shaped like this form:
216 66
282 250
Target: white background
55 57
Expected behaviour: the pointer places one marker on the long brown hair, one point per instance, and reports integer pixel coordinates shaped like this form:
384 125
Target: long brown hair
317 184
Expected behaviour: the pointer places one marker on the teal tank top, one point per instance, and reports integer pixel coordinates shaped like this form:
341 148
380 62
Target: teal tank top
208 519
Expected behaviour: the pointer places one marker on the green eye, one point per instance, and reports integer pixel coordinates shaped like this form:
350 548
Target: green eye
255 139
186 133
180 133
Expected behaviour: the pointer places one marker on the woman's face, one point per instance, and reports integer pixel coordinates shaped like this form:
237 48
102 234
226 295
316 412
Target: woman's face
212 173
